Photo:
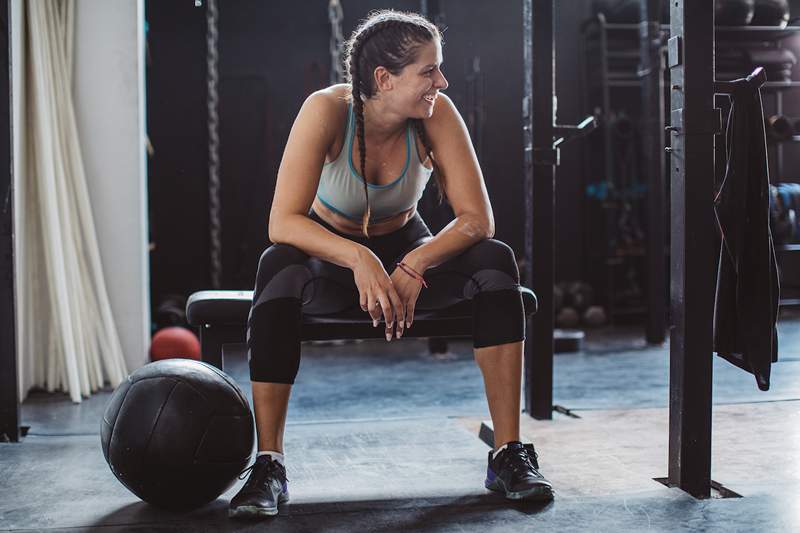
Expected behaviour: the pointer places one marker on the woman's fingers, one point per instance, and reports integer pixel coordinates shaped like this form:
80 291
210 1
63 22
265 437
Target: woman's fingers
396 312
410 314
400 313
388 313
373 308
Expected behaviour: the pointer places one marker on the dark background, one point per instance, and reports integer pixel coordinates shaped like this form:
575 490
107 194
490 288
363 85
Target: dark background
272 55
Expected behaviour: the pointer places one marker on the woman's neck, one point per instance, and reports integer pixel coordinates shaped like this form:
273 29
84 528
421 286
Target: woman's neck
381 124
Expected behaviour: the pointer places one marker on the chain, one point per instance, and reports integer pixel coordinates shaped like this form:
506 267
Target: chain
335 16
215 225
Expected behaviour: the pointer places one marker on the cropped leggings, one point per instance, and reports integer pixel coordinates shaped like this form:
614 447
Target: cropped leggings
290 284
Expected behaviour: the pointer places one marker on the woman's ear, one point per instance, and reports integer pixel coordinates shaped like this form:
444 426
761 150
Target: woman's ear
383 79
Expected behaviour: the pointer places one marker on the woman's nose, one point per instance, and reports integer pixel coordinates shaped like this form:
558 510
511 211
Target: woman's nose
441 82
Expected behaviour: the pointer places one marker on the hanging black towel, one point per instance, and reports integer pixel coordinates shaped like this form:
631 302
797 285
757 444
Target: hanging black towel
746 307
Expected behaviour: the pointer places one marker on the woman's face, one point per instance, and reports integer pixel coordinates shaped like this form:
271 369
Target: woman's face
420 82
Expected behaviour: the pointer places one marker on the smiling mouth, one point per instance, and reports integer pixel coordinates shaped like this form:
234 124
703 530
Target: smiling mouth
429 98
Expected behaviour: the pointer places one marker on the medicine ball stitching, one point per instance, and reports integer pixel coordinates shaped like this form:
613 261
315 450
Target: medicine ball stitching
158 417
228 380
209 367
178 381
114 426
396 37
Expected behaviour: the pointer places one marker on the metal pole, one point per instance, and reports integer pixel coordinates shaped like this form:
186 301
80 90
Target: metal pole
651 75
540 161
691 62
9 391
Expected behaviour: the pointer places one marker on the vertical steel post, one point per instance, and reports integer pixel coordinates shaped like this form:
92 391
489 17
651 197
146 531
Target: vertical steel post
9 403
691 62
651 75
540 161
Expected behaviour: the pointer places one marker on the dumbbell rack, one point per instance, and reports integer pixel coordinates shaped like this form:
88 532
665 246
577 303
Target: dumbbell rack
607 71
776 90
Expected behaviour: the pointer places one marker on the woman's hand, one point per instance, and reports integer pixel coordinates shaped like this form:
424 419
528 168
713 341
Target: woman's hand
377 293
408 289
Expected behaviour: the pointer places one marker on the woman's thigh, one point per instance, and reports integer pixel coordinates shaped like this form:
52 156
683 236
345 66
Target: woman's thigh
285 271
488 265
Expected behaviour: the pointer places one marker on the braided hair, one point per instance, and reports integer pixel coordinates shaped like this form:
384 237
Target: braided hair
390 39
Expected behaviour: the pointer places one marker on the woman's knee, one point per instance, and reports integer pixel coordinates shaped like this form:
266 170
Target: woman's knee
282 272
273 326
276 256
494 265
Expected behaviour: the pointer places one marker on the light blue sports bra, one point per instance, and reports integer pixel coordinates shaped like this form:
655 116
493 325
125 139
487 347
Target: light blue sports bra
341 188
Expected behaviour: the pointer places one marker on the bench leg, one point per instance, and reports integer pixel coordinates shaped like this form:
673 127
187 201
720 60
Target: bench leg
214 338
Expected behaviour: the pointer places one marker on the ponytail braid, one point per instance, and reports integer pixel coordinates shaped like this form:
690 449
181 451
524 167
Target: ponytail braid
358 106
398 35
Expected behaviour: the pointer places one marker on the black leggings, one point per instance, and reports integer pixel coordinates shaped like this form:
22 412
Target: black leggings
289 283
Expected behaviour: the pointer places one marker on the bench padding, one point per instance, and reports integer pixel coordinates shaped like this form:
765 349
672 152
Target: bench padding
230 308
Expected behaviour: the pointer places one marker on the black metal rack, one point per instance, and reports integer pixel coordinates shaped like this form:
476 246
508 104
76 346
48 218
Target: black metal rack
614 59
608 48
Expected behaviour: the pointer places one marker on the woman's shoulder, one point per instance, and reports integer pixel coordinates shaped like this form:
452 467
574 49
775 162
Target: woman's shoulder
335 97
329 104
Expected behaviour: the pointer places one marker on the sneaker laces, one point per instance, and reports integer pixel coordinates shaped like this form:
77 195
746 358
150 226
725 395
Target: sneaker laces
520 461
270 468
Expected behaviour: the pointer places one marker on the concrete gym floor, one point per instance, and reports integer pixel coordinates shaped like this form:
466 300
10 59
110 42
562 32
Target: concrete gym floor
384 437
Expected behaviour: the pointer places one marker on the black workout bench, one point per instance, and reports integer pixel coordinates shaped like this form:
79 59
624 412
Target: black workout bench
221 317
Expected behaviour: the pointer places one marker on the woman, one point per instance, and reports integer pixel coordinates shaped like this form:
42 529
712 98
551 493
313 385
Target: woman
363 243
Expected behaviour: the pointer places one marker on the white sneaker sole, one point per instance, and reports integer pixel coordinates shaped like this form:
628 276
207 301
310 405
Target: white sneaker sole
540 493
252 511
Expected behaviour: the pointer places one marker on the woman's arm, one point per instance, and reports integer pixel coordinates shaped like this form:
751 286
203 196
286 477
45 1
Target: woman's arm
464 186
312 134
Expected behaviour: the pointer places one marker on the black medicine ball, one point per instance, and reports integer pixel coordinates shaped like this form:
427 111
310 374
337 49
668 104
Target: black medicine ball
177 433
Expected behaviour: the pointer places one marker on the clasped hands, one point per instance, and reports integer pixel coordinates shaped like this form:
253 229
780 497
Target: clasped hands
393 296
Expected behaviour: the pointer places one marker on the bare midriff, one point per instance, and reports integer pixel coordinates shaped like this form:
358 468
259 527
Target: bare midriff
347 226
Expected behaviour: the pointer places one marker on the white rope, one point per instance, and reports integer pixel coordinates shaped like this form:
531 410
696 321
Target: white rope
75 345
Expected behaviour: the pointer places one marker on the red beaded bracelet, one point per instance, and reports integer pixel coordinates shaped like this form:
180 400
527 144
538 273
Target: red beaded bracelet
414 274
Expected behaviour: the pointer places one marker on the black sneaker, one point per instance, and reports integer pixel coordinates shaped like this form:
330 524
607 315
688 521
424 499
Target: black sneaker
264 490
515 473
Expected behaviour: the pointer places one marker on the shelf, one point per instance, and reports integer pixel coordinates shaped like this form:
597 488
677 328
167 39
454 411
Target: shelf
755 33
787 247
781 85
624 79
774 142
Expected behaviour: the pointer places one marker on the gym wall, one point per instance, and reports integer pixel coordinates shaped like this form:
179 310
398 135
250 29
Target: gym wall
267 67
109 102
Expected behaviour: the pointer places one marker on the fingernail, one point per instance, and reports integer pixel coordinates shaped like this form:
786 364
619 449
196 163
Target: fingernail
374 322
399 333
389 325
408 324
388 336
